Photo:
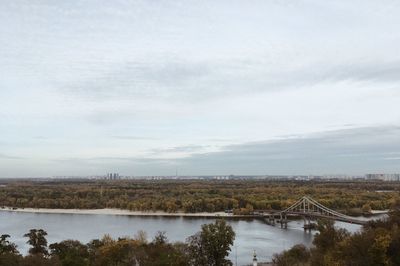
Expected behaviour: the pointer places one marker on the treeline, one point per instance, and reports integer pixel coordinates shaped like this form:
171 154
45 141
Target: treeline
192 196
209 247
377 244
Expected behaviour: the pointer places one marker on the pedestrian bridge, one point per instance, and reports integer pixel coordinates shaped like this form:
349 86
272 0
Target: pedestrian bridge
310 209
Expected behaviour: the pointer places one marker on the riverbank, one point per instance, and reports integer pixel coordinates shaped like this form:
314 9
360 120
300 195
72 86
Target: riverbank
377 212
124 212
109 211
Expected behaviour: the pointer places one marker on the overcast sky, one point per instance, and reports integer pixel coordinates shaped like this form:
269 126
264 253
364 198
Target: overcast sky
208 87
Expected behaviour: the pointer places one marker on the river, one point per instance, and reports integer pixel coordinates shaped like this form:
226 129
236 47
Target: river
250 234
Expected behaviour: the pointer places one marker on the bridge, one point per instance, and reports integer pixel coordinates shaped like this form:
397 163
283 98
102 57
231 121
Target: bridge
310 209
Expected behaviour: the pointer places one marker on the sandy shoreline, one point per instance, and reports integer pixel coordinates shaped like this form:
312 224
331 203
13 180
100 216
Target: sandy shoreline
118 212
139 213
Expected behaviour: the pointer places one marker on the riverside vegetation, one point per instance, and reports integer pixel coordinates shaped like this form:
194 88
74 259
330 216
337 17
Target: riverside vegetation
210 246
193 196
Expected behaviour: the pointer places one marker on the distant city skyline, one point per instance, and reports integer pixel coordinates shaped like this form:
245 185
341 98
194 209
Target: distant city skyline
209 87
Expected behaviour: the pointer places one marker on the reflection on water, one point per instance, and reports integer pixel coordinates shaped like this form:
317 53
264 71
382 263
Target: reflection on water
250 234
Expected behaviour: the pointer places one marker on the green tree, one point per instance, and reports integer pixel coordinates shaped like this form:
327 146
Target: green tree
298 255
326 242
160 238
394 215
379 248
93 249
366 208
394 247
38 241
212 244
110 252
9 255
6 246
70 253
328 235
39 260
162 253
353 250
10 259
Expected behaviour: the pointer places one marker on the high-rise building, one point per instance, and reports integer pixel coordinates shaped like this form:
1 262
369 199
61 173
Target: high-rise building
113 176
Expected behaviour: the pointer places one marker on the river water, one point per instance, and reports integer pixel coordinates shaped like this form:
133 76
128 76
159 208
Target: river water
250 234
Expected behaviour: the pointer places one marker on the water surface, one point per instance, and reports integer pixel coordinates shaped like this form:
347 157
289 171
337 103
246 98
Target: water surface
250 234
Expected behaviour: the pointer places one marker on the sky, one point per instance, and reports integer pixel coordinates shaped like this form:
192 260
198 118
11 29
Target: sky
206 87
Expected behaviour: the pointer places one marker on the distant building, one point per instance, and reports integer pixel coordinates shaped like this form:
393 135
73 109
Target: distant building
384 177
113 176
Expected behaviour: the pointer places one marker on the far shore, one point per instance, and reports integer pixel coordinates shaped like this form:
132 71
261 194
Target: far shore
109 211
122 212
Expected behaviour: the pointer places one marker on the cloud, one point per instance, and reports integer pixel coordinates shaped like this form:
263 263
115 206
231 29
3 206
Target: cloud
165 79
187 80
133 138
109 117
349 151
179 149
9 157
352 150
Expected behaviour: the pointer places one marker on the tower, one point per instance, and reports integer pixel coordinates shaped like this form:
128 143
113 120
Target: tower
254 258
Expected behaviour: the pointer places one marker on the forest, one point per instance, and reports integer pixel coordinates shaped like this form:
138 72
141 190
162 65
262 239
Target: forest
192 196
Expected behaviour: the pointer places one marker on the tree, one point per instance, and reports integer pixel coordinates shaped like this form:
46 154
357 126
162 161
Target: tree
366 208
296 256
110 252
162 253
141 237
211 245
328 235
378 250
37 239
10 259
394 215
160 238
6 246
354 250
70 253
326 242
393 249
39 260
93 249
9 255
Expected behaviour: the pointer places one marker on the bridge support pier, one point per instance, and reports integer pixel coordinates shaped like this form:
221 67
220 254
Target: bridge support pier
283 221
307 223
271 219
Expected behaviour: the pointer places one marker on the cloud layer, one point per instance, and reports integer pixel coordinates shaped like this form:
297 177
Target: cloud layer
208 86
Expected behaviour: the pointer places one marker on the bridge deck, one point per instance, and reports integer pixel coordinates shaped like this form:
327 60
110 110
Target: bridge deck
336 218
